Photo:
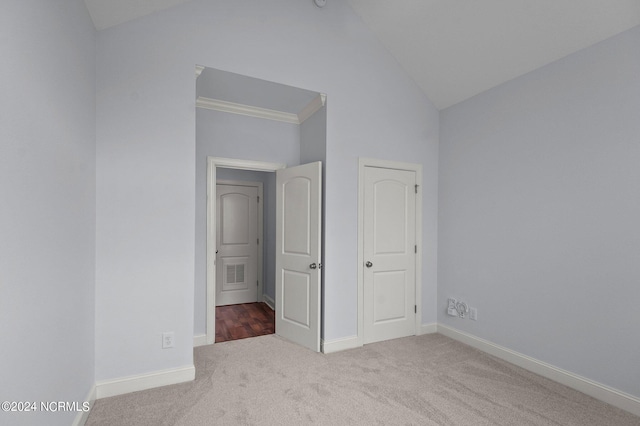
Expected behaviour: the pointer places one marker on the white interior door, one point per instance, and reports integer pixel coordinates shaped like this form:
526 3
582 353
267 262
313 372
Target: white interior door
298 230
237 244
389 253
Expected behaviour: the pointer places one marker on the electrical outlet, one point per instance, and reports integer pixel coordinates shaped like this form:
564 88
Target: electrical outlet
473 314
451 308
168 340
463 309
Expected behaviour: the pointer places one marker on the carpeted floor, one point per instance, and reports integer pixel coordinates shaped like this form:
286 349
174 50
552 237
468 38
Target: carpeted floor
423 380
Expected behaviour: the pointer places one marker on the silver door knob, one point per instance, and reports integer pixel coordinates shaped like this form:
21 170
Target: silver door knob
313 266
368 264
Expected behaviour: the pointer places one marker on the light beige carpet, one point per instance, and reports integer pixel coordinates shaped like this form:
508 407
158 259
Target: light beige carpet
424 380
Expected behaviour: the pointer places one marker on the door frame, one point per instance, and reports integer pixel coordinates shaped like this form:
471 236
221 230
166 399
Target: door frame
395 165
212 164
259 231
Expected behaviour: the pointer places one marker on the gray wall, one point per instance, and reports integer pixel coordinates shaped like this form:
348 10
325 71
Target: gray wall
220 134
539 211
313 138
146 191
47 193
313 147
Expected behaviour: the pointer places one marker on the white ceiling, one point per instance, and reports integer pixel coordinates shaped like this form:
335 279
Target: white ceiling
455 49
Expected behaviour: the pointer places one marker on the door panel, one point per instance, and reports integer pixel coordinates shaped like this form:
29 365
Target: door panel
237 235
235 212
298 230
295 290
389 247
297 202
390 210
389 298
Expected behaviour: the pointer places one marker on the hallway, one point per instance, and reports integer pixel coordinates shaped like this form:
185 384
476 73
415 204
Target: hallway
244 320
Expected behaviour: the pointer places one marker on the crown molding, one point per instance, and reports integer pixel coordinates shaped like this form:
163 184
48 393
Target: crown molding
312 107
232 163
251 111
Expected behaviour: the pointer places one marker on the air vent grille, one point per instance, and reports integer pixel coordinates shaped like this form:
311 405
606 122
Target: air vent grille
235 273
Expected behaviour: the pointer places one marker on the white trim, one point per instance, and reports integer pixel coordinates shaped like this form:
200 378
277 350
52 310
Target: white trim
256 166
140 382
428 328
312 107
385 164
269 301
352 342
212 163
597 390
82 416
341 344
248 110
199 69
199 340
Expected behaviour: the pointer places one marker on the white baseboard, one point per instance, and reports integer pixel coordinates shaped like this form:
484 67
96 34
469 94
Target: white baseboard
156 379
428 329
353 342
597 390
340 344
269 301
82 416
199 340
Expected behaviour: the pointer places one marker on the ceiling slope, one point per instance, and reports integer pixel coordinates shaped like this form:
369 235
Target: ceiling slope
108 13
455 49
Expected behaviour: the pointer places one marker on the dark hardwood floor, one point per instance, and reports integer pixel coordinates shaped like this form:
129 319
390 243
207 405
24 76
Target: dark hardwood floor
235 322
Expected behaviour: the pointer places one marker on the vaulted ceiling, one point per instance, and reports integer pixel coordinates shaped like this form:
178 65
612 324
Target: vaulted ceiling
455 49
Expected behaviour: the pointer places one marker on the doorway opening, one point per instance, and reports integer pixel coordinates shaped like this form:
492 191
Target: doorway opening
275 126
253 317
243 306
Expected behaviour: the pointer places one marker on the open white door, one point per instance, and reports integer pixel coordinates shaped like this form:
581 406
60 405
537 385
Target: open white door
298 249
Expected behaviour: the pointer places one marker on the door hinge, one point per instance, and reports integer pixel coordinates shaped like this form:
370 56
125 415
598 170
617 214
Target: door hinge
415 249
415 309
258 198
257 283
258 241
416 188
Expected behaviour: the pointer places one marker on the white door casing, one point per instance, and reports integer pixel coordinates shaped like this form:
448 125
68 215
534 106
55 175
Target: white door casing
212 164
389 247
298 251
237 236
